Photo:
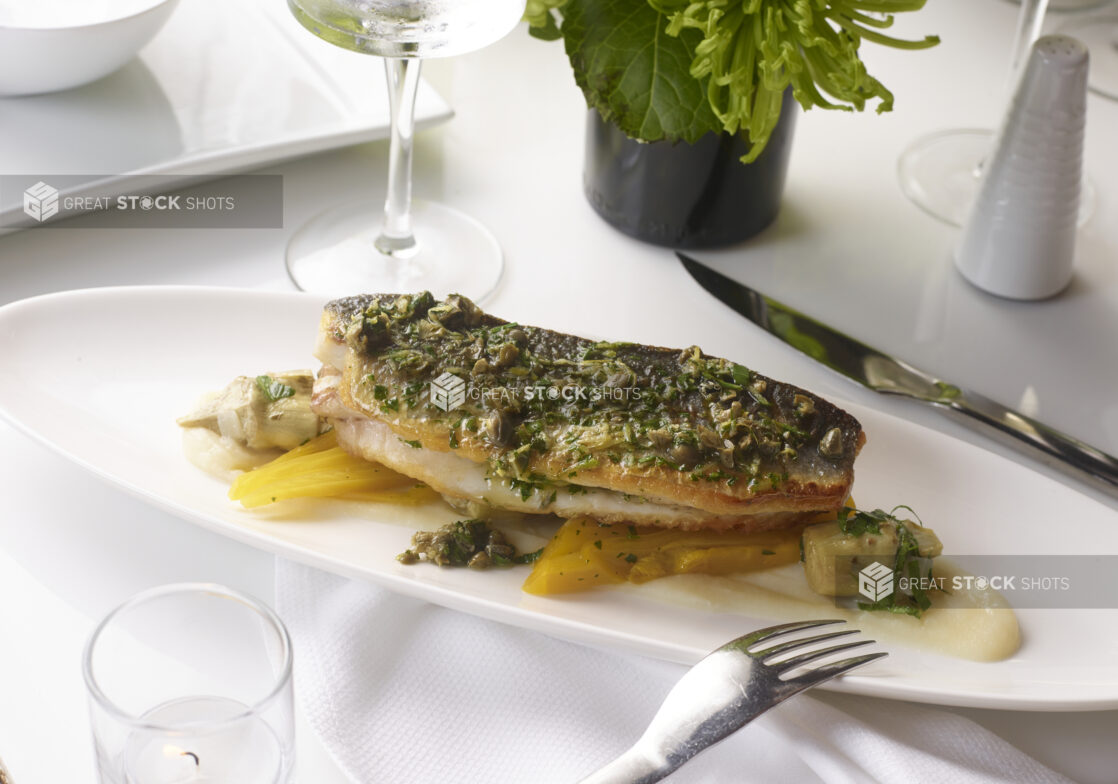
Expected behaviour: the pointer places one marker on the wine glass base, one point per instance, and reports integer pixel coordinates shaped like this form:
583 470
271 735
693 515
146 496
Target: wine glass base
1100 35
940 173
335 254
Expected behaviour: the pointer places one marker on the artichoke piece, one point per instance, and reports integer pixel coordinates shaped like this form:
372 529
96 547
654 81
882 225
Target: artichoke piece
265 412
833 557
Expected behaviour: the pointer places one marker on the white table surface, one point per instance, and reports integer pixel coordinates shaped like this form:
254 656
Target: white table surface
847 247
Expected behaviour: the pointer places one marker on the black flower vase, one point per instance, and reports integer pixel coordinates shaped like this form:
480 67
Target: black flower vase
686 195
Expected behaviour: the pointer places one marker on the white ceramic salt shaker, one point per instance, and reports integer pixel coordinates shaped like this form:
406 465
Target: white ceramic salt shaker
1019 241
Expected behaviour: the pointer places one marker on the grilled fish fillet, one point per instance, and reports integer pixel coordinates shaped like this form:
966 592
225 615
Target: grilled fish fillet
530 420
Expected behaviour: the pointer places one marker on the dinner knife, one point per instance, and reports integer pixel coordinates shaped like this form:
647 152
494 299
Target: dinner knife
889 376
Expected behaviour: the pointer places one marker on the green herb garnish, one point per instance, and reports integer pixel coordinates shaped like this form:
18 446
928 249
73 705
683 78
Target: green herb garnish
272 389
853 522
527 558
909 563
472 543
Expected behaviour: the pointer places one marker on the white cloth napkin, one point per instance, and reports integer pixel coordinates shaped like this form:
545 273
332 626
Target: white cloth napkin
406 692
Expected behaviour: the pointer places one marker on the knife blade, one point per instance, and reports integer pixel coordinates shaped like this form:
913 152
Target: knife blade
887 375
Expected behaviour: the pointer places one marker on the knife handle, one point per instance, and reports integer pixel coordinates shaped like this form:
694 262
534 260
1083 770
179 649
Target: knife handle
1057 450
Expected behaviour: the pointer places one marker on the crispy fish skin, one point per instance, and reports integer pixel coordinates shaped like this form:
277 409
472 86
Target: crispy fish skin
675 428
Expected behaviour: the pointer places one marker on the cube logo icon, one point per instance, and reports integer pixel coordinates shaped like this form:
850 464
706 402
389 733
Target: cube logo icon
875 582
447 392
40 201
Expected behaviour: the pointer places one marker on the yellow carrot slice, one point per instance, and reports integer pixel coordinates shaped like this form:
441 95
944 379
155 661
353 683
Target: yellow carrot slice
584 554
316 469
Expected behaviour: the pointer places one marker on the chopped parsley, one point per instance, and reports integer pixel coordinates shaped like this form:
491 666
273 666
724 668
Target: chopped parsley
272 389
909 563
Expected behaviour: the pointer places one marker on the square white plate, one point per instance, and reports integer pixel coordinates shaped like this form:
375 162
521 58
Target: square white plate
224 87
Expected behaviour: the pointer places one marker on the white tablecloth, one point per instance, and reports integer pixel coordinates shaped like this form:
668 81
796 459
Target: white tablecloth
847 247
401 690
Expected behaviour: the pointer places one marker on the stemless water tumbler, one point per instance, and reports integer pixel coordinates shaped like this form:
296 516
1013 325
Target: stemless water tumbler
191 683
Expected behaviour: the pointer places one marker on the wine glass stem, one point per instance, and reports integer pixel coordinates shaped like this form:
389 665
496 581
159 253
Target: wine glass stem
1029 22
396 238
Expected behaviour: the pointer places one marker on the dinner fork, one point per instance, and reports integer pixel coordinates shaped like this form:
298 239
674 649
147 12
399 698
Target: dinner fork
724 692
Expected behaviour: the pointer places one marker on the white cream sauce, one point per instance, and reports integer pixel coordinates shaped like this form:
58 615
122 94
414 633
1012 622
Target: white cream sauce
976 625
220 456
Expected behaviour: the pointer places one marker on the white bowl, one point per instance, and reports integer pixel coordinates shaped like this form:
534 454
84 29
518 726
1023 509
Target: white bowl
60 45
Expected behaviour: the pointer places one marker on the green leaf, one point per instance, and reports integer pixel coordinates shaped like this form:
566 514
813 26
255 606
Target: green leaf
541 14
741 374
273 390
678 69
527 558
547 31
853 522
634 73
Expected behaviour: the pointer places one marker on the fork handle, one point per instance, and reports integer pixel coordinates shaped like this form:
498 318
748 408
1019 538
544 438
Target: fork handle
632 767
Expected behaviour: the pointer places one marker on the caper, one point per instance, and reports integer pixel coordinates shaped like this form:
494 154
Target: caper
374 331
438 551
518 336
507 354
709 438
831 443
497 428
429 330
457 312
804 405
685 454
480 561
619 380
520 462
769 445
408 557
480 367
660 438
500 551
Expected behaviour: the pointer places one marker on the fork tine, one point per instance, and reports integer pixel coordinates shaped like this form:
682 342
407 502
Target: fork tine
748 640
792 662
828 671
791 645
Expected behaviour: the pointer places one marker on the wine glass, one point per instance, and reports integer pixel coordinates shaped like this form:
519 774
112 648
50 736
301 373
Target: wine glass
1099 32
941 172
416 244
